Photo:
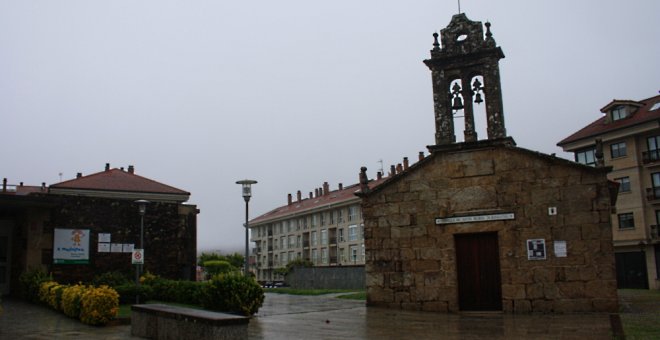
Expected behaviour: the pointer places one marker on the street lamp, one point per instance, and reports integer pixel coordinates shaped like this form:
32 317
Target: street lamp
247 193
142 208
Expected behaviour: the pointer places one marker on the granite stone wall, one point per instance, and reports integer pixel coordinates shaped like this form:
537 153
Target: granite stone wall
336 277
170 233
411 261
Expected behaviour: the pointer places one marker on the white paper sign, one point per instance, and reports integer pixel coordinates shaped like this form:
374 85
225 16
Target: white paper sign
560 249
104 247
116 247
127 248
104 237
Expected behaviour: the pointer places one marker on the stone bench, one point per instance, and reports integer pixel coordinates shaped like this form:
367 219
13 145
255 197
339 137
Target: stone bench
158 321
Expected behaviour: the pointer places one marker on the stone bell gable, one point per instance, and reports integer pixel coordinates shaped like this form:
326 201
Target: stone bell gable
490 226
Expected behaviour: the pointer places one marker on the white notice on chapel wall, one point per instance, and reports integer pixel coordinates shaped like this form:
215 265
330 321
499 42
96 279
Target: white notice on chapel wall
560 249
536 249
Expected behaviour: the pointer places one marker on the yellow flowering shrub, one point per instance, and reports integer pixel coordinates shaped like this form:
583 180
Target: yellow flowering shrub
44 290
55 296
98 305
71 300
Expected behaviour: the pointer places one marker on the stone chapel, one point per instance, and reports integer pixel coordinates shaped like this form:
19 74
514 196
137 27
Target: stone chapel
484 225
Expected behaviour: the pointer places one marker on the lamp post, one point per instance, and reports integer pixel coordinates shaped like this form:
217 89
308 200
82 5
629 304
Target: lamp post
142 208
247 193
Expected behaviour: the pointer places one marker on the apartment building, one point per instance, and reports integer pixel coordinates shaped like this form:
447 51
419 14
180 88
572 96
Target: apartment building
325 228
627 138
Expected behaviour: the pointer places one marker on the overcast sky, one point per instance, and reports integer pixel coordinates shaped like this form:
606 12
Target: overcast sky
200 94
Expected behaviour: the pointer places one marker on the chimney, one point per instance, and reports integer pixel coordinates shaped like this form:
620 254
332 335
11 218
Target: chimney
122 168
131 169
288 199
399 168
43 186
379 175
107 166
326 188
4 185
78 175
21 184
392 170
299 196
405 163
421 155
341 186
311 194
316 192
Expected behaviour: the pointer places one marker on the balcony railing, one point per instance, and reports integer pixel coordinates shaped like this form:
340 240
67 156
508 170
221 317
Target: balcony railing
650 156
653 194
305 244
270 248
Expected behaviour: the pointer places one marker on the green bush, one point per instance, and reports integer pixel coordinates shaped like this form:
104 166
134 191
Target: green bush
128 291
215 267
30 282
176 291
111 279
233 292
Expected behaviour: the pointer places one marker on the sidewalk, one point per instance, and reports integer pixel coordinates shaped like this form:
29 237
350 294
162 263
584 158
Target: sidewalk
326 317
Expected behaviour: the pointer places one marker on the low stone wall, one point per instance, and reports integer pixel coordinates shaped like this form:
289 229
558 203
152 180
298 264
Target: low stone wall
339 277
157 321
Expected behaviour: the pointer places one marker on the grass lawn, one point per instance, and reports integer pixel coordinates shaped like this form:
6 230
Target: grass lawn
640 313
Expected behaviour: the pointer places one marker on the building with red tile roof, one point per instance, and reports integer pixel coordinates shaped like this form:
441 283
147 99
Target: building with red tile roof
626 137
324 228
35 220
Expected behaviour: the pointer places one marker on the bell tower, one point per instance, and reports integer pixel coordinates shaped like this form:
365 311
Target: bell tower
466 56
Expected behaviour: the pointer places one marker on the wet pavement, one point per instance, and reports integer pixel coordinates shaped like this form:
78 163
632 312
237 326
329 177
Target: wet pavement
326 317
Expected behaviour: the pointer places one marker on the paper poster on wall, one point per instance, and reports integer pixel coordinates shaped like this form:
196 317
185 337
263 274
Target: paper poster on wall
127 248
70 246
536 249
103 247
116 247
104 237
560 249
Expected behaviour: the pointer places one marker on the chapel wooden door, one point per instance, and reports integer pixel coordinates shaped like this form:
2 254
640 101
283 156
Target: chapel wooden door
478 272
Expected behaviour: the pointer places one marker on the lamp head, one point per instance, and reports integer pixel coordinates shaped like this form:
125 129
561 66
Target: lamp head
142 206
247 188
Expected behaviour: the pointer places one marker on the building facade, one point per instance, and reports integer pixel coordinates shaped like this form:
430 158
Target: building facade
89 225
627 136
484 225
325 228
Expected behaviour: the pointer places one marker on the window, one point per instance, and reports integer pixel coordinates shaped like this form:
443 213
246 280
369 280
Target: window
618 149
315 220
653 108
332 217
352 233
342 254
586 157
339 217
619 112
292 242
352 213
653 144
324 255
315 256
288 226
354 254
298 241
341 234
624 184
282 242
314 240
322 219
655 179
626 221
324 237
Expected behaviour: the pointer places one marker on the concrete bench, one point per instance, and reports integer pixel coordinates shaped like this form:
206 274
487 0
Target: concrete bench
158 321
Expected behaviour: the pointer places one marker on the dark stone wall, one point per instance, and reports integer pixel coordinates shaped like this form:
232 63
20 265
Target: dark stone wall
170 232
339 277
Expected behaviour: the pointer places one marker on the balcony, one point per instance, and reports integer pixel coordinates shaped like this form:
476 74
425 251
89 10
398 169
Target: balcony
305 244
270 248
650 156
653 194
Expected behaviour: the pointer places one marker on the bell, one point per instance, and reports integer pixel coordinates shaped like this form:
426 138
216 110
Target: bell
458 103
477 98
